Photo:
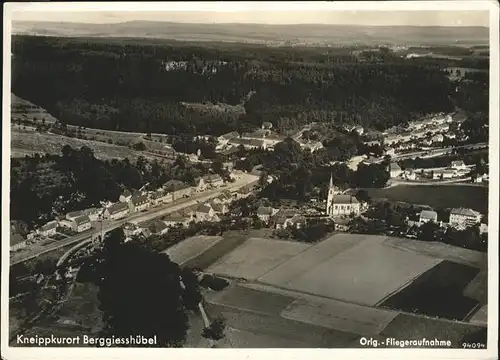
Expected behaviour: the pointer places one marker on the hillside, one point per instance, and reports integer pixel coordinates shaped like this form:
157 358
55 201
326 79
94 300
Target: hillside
260 33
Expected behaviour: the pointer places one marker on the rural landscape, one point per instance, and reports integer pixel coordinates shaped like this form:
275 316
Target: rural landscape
249 185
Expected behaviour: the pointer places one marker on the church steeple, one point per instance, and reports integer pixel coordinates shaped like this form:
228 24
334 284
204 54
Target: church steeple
329 200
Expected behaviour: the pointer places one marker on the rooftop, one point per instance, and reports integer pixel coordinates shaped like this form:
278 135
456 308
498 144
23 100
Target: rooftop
428 214
118 207
203 208
465 212
82 220
345 199
75 213
139 200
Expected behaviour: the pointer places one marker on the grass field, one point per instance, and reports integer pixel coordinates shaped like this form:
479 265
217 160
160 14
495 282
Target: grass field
439 196
191 248
438 292
29 142
256 257
442 251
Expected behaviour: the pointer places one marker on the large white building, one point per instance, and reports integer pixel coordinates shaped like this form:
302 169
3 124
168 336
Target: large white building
461 218
338 204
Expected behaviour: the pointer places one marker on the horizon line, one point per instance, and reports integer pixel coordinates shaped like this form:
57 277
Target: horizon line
247 23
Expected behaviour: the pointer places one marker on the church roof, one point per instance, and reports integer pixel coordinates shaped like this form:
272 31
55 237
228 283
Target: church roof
345 199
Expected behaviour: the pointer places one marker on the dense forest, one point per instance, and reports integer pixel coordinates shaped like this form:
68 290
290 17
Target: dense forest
128 86
43 187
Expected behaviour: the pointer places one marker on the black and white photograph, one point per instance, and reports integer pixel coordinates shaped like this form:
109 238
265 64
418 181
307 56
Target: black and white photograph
252 175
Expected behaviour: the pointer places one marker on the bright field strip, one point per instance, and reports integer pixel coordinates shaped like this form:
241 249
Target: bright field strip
191 248
364 274
340 316
256 257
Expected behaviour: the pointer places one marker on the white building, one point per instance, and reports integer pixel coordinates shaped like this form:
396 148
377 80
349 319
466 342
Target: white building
94 214
395 170
444 174
116 211
138 203
73 215
265 213
428 216
458 165
48 229
338 204
461 218
81 224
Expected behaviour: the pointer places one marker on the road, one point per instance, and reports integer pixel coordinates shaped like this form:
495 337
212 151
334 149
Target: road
22 256
459 182
438 152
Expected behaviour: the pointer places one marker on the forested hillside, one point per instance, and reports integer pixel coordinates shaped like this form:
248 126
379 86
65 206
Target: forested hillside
122 85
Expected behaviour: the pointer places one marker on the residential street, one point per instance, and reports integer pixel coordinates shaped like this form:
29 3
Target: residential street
37 250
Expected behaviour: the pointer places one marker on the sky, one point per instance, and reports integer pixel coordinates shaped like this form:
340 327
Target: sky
228 13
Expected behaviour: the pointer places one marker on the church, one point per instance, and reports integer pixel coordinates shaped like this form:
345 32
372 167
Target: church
338 204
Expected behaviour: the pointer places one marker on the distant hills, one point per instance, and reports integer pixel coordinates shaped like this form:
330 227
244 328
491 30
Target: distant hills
261 33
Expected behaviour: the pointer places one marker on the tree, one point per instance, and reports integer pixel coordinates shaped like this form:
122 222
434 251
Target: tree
139 146
151 287
216 329
362 195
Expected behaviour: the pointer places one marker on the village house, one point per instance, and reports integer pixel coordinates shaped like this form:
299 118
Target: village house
223 139
219 208
81 224
312 146
178 189
248 143
458 165
437 138
176 218
116 211
49 229
204 212
244 191
158 228
159 197
394 170
461 218
125 196
138 203
444 174
130 229
213 180
410 175
236 174
73 215
265 213
17 242
94 214
427 216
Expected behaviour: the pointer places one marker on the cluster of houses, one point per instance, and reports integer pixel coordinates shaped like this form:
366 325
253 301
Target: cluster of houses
280 218
128 203
209 211
426 132
460 218
456 169
263 138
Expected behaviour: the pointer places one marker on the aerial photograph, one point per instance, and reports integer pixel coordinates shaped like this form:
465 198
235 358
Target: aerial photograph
249 180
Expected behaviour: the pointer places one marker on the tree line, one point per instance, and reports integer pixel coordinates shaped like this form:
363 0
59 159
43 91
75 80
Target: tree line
119 86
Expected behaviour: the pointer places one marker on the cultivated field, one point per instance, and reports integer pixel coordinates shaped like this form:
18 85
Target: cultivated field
363 274
256 257
438 292
191 248
439 196
28 142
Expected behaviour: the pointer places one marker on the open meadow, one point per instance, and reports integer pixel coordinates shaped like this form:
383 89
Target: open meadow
191 248
29 143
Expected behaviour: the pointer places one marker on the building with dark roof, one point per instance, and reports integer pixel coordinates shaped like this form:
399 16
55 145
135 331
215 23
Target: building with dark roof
139 203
